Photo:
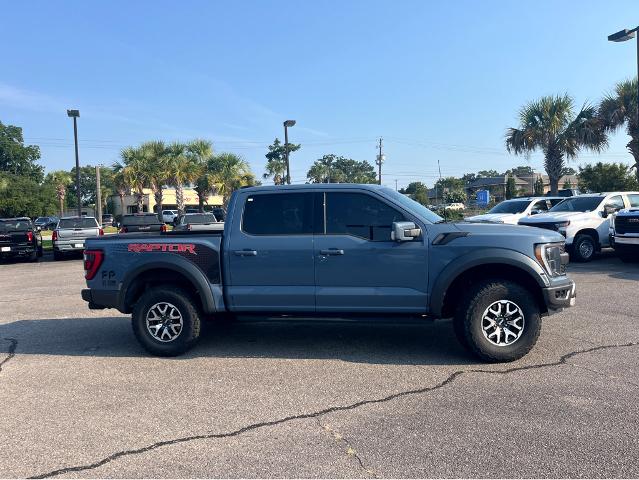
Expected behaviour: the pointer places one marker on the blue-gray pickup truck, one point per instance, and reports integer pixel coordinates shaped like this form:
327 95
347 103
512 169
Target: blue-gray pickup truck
327 250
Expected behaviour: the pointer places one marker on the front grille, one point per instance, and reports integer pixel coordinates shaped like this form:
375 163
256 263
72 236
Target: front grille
627 224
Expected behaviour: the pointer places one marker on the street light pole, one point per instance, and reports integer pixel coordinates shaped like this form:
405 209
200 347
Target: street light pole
622 36
75 114
287 123
98 195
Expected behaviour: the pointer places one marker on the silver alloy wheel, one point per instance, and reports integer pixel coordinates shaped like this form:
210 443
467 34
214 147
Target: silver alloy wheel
502 323
586 248
164 322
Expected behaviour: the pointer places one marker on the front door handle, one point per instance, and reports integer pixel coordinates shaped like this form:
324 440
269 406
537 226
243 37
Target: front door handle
332 251
246 253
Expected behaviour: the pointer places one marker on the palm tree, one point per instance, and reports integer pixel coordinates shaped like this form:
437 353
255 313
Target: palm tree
230 172
549 124
182 170
201 151
156 163
619 109
135 173
119 182
276 161
60 179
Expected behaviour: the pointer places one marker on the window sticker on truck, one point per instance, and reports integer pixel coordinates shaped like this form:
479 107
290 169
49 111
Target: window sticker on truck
162 247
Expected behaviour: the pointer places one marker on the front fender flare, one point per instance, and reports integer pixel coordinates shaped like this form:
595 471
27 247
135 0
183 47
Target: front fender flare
482 257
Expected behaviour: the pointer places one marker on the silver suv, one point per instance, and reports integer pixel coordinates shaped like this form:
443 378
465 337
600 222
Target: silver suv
70 234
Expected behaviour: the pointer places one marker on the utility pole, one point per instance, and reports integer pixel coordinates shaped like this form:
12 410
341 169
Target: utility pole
380 160
98 195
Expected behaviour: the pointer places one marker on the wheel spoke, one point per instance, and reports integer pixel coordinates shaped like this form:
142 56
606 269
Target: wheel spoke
503 322
164 322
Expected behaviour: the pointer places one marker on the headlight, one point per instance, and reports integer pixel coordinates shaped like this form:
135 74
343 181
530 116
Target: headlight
563 224
553 257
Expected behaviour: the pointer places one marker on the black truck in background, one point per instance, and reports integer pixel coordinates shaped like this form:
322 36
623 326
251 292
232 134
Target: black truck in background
19 237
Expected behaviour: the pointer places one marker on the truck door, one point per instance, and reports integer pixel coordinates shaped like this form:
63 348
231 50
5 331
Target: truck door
358 268
271 253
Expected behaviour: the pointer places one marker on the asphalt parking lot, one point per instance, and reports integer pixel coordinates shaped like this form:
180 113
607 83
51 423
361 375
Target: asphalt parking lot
80 398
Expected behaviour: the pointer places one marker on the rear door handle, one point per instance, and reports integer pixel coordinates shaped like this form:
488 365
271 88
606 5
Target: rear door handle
246 253
332 251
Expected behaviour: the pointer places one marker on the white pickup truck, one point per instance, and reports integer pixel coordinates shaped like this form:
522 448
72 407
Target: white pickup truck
584 220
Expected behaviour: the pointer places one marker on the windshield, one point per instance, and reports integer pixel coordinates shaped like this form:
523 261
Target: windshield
578 204
412 205
140 220
15 225
199 218
88 222
510 206
42 220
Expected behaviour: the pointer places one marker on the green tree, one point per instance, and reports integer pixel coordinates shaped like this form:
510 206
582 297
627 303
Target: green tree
606 177
336 169
455 196
619 109
323 170
276 161
134 173
16 157
568 171
88 185
229 172
156 164
487 173
201 152
120 186
182 170
511 187
549 125
22 196
469 178
522 170
567 184
60 180
417 191
539 186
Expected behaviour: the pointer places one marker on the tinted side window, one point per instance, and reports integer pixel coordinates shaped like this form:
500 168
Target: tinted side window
555 201
360 215
616 202
278 214
634 200
540 205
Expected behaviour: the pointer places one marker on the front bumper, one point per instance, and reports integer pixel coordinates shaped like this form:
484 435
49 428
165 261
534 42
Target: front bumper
621 240
558 297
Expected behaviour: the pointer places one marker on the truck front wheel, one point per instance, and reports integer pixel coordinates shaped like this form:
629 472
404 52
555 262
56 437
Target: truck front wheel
166 321
498 320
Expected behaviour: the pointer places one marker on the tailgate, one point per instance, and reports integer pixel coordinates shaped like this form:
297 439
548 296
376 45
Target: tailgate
77 233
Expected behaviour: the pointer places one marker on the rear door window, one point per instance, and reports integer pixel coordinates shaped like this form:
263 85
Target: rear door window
278 214
634 200
360 215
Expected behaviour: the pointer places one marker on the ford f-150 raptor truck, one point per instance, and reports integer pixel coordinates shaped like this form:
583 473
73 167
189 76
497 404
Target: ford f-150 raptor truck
334 250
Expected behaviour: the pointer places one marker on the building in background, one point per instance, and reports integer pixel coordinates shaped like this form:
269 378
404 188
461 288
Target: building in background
129 202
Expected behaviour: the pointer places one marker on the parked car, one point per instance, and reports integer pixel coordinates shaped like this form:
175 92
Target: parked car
19 237
199 222
108 220
141 222
71 234
46 223
584 220
192 210
625 231
511 211
168 216
334 249
566 192
454 206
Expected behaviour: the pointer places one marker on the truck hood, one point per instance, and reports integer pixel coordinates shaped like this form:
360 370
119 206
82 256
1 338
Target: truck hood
496 218
510 234
554 217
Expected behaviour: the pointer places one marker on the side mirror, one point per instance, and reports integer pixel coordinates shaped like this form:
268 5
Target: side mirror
608 210
405 231
535 212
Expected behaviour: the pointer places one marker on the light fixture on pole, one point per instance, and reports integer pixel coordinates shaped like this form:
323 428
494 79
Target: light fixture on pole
622 36
75 114
287 124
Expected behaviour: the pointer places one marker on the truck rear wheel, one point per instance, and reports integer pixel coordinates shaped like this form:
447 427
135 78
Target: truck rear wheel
166 321
498 320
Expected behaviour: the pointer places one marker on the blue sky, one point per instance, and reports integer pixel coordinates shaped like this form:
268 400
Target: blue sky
438 80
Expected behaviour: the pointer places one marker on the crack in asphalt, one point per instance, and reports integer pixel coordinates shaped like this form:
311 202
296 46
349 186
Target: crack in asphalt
13 343
338 408
350 450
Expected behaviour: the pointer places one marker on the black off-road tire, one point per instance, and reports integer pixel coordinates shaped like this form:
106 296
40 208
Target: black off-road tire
582 244
477 299
187 308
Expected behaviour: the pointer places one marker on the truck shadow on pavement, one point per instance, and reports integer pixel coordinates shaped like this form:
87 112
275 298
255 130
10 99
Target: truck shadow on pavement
363 341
